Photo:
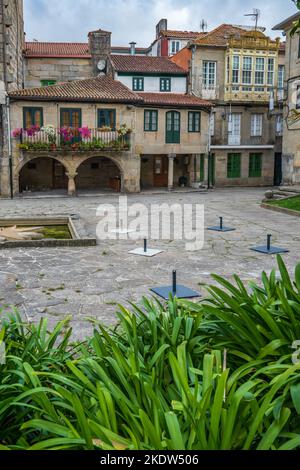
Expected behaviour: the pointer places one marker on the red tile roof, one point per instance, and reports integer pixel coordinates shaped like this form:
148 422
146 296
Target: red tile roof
180 34
219 36
174 99
183 58
145 64
101 89
57 49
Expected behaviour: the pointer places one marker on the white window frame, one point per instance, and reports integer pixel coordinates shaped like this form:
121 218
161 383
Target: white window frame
175 46
271 70
247 67
259 76
234 129
209 74
256 125
236 68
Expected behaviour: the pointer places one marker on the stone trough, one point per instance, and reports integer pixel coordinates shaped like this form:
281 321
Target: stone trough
78 236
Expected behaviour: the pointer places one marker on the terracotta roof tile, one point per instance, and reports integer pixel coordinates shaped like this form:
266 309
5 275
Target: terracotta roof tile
57 49
174 99
180 34
100 89
145 64
219 36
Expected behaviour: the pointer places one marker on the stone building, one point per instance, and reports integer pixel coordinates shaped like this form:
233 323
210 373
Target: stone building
11 75
104 136
240 71
291 129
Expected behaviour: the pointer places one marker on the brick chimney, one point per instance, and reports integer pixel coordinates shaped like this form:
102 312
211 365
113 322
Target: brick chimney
100 49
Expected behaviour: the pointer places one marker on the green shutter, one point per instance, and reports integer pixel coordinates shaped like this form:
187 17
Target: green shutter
255 165
107 118
173 127
165 84
202 161
150 120
48 82
234 165
194 120
32 116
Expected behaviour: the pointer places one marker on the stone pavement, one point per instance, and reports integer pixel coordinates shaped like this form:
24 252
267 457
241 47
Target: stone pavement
89 282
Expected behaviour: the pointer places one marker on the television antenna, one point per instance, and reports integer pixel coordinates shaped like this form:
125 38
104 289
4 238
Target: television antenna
203 26
255 15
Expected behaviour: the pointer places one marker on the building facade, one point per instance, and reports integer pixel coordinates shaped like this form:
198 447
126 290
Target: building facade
291 111
238 70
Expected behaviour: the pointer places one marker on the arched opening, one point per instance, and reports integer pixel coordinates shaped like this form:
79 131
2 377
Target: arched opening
43 174
99 173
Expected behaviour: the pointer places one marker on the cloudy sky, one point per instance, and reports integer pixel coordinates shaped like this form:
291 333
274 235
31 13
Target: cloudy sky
135 20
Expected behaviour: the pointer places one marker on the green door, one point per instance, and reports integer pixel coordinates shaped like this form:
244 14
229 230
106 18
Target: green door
70 117
211 169
173 127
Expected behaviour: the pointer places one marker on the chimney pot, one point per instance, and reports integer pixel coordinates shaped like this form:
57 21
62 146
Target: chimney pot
132 48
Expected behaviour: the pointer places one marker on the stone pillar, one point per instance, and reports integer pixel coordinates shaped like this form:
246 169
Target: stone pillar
171 158
71 184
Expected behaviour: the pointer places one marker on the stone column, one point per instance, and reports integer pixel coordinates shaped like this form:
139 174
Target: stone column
71 183
171 158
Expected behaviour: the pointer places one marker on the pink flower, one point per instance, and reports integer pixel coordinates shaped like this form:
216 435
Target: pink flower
32 130
85 132
17 132
66 133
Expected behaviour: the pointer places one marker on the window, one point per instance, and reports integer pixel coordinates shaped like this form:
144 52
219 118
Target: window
271 65
150 121
256 125
70 117
247 70
212 124
138 83
298 97
281 73
234 165
255 165
165 84
175 47
48 82
279 124
209 74
173 127
194 121
235 69
107 118
259 70
234 129
228 69
32 117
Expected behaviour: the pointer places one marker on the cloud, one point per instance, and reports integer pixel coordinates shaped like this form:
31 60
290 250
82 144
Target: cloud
135 20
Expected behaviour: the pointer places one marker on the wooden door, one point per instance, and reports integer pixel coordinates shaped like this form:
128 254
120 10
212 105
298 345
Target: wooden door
160 171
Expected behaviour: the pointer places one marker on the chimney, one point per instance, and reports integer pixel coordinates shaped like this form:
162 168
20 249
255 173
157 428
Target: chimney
132 48
162 25
100 50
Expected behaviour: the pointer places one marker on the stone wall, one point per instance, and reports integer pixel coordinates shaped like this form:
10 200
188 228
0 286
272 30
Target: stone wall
11 75
60 70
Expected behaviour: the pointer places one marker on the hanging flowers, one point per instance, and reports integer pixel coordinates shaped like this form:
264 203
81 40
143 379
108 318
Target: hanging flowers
66 133
124 130
32 130
50 132
17 132
85 132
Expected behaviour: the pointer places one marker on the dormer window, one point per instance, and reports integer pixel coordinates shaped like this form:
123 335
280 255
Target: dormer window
165 84
138 83
175 47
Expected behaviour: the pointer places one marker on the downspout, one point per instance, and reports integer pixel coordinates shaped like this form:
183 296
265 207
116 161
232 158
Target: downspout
209 149
9 149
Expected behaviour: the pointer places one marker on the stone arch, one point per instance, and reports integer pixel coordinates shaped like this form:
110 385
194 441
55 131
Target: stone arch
106 168
43 162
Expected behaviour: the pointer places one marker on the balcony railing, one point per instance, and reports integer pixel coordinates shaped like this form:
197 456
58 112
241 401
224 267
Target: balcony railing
72 140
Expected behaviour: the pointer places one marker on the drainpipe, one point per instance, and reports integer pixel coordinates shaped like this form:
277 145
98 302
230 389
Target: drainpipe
209 149
192 69
9 149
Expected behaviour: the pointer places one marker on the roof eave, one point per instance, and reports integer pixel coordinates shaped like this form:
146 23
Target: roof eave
287 22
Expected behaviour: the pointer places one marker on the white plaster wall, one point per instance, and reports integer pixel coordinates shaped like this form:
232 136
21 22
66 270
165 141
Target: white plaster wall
152 84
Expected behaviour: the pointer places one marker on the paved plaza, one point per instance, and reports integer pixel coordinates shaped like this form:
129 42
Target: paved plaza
90 281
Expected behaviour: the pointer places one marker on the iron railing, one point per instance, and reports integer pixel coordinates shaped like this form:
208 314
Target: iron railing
71 139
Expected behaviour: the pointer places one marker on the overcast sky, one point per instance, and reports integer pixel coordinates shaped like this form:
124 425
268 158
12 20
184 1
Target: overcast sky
135 20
